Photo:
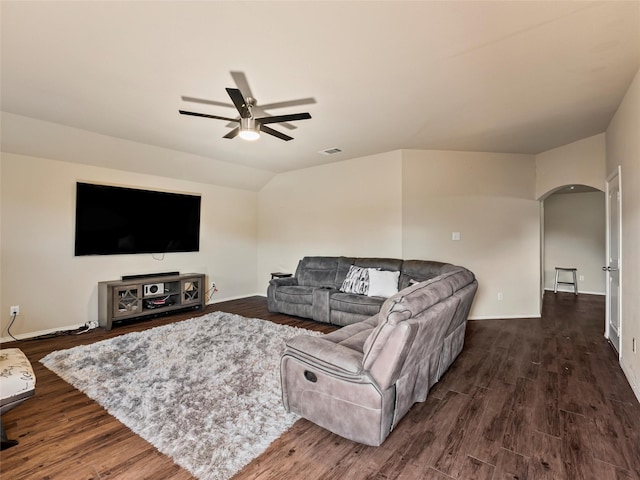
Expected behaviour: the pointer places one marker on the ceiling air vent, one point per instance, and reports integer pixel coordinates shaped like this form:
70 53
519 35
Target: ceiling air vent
330 151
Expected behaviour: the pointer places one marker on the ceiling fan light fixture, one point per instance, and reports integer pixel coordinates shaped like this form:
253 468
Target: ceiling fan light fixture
249 129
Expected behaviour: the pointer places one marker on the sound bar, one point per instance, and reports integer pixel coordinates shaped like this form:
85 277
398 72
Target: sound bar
149 275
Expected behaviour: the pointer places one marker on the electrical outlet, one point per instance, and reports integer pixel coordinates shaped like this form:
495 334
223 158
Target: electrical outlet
581 278
14 310
499 295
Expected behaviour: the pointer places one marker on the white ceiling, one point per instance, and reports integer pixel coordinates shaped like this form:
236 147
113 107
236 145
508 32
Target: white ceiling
505 76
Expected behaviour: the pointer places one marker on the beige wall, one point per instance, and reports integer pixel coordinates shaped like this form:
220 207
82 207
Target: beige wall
578 163
489 199
405 204
59 142
350 208
623 148
55 289
574 227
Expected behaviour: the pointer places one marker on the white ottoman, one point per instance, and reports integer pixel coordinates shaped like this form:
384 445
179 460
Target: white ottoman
17 383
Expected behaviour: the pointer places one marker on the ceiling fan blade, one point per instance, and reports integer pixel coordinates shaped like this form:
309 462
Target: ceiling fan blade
239 102
259 112
284 118
275 133
233 133
290 103
206 102
195 114
241 82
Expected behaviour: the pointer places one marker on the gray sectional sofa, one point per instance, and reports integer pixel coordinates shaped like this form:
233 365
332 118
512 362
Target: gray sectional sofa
315 289
361 380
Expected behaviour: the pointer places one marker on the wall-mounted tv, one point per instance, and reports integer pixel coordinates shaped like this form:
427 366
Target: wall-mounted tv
114 220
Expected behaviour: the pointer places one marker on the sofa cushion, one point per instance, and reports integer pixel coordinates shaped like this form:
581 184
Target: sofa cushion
382 283
344 264
317 271
419 271
354 303
354 335
381 263
411 301
356 281
295 294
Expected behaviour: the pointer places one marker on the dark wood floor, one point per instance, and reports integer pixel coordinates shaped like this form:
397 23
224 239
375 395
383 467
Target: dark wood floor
526 399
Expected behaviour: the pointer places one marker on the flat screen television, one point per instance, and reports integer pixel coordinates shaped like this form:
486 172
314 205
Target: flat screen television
116 220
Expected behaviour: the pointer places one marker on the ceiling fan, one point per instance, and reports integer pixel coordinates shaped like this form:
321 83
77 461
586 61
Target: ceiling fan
249 125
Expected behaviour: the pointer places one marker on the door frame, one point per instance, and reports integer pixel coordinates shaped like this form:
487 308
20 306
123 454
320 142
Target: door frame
617 172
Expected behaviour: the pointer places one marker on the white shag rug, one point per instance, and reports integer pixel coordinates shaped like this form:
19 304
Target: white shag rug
205 391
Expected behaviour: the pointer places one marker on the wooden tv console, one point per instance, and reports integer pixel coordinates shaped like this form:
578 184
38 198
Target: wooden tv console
148 296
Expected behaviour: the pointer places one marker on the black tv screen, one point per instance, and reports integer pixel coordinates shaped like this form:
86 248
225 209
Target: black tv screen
115 220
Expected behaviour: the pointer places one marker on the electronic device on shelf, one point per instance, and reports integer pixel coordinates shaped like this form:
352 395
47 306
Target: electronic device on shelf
153 289
158 302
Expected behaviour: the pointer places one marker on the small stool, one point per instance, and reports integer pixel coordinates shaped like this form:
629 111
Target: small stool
17 383
575 279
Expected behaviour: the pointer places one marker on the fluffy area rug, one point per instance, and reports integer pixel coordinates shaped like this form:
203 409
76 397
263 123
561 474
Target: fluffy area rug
204 391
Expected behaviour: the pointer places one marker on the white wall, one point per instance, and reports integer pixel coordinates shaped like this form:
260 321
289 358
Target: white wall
489 199
623 148
55 289
578 163
351 208
574 226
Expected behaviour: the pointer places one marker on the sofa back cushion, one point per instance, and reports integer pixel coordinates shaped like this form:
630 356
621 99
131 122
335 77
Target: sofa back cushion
391 264
414 302
317 271
415 271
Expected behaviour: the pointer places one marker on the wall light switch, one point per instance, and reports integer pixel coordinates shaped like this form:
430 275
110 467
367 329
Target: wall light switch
455 235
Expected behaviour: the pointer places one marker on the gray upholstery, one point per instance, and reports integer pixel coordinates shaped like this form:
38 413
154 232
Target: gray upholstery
314 291
359 381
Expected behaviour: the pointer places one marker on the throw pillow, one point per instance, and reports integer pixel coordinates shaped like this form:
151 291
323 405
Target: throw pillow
356 281
383 283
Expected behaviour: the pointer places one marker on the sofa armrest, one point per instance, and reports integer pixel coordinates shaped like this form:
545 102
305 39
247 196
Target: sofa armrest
331 357
321 311
283 281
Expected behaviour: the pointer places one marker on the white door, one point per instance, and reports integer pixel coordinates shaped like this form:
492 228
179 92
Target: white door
614 224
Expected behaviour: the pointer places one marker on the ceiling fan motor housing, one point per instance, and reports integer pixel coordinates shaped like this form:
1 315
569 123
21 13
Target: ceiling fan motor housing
249 128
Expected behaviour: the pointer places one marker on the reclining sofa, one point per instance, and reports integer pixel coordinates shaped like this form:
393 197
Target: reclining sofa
359 381
315 289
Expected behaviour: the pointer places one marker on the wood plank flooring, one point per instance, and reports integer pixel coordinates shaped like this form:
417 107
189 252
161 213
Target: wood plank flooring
526 399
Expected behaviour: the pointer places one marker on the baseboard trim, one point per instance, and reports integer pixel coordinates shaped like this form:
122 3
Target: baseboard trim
564 290
475 317
634 387
237 297
505 317
27 336
64 328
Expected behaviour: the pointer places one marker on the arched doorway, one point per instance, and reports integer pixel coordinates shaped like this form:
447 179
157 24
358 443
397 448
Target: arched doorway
574 235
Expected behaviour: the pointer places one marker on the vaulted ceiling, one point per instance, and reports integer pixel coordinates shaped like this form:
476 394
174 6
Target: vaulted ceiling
505 76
